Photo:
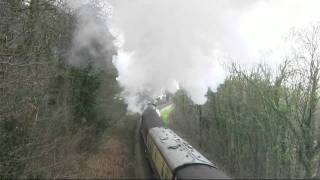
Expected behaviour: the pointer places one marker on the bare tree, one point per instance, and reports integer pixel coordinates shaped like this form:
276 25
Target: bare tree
306 84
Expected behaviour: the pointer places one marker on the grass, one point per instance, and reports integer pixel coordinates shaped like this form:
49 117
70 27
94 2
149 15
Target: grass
165 112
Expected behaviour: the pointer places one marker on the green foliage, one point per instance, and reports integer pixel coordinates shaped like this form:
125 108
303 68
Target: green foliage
165 113
86 84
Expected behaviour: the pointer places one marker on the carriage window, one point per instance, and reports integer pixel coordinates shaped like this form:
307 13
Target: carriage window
162 171
155 155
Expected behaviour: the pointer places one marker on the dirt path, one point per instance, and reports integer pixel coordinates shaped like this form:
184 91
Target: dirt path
110 160
120 156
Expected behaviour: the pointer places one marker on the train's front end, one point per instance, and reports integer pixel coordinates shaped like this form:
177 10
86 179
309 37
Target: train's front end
150 118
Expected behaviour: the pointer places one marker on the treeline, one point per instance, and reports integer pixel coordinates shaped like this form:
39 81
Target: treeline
50 112
262 123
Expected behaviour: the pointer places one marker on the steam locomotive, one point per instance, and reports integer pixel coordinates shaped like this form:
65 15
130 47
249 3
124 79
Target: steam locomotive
170 156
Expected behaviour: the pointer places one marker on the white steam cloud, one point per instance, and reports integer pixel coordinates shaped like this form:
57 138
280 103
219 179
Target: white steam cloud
170 42
167 44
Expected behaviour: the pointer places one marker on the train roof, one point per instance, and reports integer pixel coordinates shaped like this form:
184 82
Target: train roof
176 150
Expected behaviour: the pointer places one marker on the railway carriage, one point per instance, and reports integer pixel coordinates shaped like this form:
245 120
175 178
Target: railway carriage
170 156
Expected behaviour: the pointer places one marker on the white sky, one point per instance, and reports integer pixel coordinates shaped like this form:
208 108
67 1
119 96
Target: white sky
265 25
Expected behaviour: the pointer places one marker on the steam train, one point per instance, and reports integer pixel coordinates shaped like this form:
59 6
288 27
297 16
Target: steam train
170 156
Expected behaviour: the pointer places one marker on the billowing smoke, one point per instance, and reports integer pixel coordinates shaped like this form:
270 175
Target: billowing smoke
169 44
92 41
172 44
